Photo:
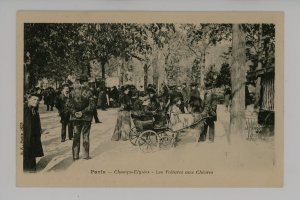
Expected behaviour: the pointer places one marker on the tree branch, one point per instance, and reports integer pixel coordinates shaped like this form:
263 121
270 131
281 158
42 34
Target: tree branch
137 57
193 50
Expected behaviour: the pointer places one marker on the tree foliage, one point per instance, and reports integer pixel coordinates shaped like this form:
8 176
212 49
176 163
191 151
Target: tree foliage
223 77
54 50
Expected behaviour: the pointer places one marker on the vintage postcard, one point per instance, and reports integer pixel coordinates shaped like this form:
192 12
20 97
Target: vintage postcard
149 99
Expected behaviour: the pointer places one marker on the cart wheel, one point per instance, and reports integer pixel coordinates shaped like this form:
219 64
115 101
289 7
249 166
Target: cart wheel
148 141
165 142
134 136
162 134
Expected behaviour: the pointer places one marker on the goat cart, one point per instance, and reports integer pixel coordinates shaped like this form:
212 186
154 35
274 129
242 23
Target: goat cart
150 136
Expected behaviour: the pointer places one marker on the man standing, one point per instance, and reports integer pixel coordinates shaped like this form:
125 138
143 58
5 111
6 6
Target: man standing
185 95
95 95
210 111
195 100
81 105
32 146
50 98
64 113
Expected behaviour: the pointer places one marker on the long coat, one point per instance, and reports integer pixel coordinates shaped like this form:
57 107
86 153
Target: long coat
195 100
81 100
32 133
210 106
62 106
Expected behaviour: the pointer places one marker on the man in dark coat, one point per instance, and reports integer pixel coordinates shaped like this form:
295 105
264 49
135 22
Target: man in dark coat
64 113
115 96
50 98
81 105
195 100
32 146
185 94
95 95
210 111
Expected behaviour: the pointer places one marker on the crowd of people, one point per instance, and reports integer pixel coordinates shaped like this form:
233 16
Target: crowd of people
172 99
77 106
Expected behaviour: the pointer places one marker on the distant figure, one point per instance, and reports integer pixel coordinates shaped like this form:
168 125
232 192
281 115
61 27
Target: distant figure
49 98
227 97
102 99
248 99
95 96
32 146
107 96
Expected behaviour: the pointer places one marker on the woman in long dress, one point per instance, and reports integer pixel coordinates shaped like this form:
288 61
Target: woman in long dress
123 124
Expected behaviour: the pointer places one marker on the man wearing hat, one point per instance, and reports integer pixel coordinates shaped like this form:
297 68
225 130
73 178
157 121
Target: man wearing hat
81 105
195 100
185 94
139 105
64 113
32 145
154 106
209 110
95 95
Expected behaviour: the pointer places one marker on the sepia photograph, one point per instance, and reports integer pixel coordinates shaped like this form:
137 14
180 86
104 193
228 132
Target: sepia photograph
149 99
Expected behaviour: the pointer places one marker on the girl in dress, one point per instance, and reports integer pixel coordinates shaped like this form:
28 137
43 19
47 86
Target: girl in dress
123 124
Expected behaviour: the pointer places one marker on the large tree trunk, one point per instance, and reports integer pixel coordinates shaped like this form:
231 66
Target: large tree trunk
238 77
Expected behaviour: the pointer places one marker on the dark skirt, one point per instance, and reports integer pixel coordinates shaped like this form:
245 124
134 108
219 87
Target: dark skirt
122 127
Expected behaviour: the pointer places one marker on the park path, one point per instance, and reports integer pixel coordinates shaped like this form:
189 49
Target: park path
240 154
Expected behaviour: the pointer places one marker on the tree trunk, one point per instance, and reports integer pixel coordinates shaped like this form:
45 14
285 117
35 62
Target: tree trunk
27 83
259 66
103 69
238 77
202 69
121 76
146 67
89 69
155 67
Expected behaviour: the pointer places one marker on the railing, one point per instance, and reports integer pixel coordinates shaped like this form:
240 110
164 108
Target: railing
253 128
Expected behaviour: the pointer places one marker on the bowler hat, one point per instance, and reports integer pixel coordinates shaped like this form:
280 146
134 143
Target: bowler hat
176 99
134 94
142 94
65 85
151 90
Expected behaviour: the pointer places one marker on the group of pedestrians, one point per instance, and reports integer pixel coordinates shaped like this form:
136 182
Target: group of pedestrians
77 106
160 105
